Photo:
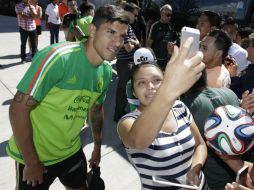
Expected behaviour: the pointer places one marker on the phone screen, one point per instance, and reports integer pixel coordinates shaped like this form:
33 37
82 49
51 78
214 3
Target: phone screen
242 175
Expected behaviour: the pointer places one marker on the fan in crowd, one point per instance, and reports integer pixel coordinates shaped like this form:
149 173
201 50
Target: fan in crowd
162 32
236 51
69 17
53 21
125 61
164 143
26 13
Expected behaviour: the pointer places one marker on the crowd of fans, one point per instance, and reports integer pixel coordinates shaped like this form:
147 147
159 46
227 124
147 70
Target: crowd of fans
168 143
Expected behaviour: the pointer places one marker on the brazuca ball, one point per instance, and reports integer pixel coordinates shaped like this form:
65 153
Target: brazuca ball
230 130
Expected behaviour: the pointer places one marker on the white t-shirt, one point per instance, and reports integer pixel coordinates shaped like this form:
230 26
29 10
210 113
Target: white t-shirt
218 77
53 14
240 56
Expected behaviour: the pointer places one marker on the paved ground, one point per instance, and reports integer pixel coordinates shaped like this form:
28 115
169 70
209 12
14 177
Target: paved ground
116 171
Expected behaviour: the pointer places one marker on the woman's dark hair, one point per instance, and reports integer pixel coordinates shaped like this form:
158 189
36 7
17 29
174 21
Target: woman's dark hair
245 32
86 7
130 7
213 18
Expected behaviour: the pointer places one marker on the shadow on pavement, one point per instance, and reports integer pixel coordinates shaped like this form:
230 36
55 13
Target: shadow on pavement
10 56
10 65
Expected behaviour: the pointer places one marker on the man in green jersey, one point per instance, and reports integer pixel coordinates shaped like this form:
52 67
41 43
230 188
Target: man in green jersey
64 82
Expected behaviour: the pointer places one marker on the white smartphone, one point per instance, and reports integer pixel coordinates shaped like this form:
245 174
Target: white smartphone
186 32
166 182
242 175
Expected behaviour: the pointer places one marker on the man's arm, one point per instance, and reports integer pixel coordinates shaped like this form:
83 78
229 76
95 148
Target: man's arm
131 45
32 11
46 19
21 125
149 40
96 117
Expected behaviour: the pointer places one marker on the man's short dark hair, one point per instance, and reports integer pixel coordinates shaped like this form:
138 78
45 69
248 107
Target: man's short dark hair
213 18
109 13
222 41
86 7
230 21
245 32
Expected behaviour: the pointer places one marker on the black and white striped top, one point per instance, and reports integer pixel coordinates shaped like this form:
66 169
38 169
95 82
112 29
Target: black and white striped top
170 154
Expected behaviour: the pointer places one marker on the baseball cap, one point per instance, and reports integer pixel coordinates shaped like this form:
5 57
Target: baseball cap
142 55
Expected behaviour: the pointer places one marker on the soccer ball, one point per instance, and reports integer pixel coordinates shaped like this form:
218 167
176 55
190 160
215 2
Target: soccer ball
230 130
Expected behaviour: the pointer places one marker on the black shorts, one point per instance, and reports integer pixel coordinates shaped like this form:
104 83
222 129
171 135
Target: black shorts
38 30
71 172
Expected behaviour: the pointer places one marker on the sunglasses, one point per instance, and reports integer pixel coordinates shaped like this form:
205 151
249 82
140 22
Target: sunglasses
168 15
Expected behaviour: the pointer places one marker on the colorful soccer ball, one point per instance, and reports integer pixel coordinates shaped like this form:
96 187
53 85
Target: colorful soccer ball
230 130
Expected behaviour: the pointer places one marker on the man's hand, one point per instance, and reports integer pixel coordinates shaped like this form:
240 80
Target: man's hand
96 156
231 65
33 174
247 102
193 175
181 73
236 186
170 47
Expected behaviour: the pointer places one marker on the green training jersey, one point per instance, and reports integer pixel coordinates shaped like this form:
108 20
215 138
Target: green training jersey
65 85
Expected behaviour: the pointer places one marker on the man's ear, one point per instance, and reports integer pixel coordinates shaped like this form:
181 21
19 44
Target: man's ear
219 53
92 30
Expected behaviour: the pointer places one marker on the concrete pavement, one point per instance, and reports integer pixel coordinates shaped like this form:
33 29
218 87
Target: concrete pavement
117 172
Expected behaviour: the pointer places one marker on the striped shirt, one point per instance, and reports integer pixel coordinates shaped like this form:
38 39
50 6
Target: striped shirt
27 23
170 154
123 54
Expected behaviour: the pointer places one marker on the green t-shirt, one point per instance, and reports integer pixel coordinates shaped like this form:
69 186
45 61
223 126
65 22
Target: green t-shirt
201 105
66 85
83 23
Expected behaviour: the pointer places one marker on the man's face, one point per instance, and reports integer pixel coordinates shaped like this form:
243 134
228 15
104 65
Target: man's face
132 15
209 50
250 51
231 30
203 25
72 6
109 38
166 16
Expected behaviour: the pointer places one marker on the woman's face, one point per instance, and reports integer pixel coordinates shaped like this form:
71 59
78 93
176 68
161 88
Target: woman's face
146 82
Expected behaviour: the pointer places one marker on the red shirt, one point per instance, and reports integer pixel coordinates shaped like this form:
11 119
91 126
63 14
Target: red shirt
63 9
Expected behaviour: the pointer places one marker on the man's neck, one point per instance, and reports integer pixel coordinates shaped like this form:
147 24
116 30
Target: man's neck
91 53
214 63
